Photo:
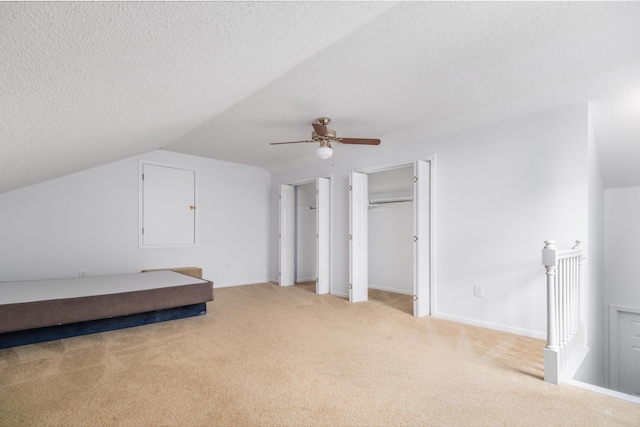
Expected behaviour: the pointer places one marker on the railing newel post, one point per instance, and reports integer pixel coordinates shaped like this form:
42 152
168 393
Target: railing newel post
550 261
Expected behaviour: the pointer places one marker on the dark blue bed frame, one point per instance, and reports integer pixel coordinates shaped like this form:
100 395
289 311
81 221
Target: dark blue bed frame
50 333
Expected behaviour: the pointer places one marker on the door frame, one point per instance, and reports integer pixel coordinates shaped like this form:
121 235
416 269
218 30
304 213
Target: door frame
422 230
330 233
432 217
614 355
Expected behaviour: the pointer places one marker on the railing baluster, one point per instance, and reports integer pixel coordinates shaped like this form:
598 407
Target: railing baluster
565 307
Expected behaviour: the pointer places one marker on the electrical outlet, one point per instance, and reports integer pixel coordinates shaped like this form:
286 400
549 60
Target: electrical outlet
478 290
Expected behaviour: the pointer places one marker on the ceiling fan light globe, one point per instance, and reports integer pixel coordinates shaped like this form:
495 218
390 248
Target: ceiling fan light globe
324 152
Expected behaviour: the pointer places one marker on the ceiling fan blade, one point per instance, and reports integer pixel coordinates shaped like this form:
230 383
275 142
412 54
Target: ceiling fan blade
362 141
320 129
290 142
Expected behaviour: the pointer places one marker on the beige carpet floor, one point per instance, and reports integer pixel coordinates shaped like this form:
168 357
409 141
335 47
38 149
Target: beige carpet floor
271 356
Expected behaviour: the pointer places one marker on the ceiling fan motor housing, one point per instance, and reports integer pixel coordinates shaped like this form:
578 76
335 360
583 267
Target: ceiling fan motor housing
331 135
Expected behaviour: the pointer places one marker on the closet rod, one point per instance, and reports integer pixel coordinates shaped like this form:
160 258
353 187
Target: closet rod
391 200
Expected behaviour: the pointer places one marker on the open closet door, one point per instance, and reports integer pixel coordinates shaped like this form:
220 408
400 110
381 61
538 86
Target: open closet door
322 235
287 247
422 239
358 234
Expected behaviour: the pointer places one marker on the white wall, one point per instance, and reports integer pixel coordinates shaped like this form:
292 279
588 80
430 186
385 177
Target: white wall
622 246
305 232
622 254
592 370
89 221
390 233
391 247
501 190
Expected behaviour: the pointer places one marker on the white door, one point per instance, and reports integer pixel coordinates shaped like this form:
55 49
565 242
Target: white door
322 235
358 229
168 206
422 239
629 353
287 243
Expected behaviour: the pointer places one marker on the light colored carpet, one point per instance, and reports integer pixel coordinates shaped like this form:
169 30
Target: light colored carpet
272 356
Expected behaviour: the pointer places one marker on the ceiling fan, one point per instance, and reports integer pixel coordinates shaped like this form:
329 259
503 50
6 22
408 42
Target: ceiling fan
325 136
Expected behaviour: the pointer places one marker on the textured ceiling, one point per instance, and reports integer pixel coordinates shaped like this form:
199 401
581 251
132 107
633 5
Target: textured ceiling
84 84
88 83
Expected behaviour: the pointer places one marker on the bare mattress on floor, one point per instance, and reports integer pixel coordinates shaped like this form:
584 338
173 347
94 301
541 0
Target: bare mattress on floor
44 303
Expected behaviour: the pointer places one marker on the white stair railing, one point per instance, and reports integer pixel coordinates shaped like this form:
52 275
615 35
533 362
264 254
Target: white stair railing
566 329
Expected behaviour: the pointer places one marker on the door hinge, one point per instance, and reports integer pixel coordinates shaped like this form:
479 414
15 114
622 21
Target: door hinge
415 297
317 235
142 230
415 238
350 188
143 177
350 237
350 286
279 197
415 179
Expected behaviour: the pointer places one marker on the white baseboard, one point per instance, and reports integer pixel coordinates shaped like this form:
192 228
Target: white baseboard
602 390
253 282
248 282
491 325
389 289
310 279
380 288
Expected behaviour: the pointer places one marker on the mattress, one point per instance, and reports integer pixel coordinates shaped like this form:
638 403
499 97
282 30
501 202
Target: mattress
43 303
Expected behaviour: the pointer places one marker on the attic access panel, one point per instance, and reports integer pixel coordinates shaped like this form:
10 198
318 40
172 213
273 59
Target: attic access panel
167 206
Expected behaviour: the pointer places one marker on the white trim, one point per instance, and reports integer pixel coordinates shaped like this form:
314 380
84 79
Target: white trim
331 239
602 390
432 229
495 326
614 314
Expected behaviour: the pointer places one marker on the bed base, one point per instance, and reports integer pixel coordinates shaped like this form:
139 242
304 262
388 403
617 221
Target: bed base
50 333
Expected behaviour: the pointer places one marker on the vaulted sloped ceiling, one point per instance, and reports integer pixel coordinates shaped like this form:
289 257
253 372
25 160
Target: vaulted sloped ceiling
86 83
83 84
